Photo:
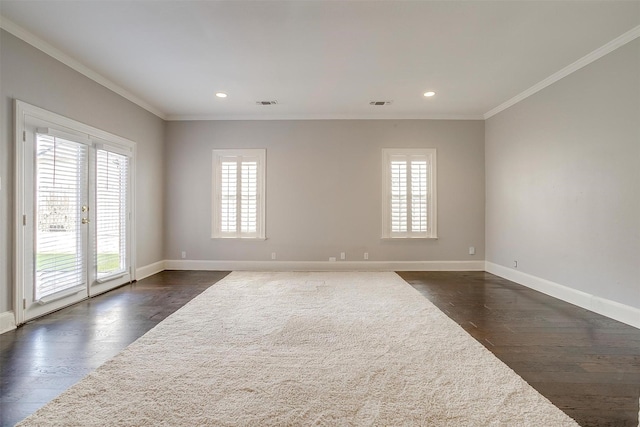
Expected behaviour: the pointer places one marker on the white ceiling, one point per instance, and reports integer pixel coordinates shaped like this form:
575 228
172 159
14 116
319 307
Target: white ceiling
322 59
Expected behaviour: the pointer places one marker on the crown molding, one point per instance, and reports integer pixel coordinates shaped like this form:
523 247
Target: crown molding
38 43
178 117
56 53
45 47
614 44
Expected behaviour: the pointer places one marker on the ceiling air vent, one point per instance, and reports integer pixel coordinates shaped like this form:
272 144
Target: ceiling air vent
380 102
266 102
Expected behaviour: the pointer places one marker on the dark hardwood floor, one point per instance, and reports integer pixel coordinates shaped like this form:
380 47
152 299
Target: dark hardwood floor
44 357
586 364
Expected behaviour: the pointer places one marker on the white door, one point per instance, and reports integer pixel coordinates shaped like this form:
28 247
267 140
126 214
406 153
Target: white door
56 252
74 237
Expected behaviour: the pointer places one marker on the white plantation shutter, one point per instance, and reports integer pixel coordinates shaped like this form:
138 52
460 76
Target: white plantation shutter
112 175
238 188
249 197
229 197
418 196
60 193
409 193
398 196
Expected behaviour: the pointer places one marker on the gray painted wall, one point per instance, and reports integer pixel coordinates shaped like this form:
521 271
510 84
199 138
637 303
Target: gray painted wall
563 180
30 75
562 177
324 188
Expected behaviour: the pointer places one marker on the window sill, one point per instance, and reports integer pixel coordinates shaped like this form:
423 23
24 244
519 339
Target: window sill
409 238
238 238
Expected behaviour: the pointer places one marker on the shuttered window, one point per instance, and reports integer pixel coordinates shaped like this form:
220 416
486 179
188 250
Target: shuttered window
409 209
238 193
112 173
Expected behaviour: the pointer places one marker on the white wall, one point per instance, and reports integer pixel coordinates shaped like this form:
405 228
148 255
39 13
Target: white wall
324 188
563 181
34 77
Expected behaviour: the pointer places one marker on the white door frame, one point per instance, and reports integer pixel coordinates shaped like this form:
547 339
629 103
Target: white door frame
22 113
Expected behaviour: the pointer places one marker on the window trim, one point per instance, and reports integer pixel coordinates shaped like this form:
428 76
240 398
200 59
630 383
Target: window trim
255 153
428 154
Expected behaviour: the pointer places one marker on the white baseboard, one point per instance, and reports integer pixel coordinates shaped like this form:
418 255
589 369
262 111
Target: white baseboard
612 309
150 270
7 322
325 265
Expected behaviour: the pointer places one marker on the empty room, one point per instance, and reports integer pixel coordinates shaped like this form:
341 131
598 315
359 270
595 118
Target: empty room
335 213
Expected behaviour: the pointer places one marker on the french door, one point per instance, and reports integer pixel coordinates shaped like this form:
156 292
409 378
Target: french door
74 234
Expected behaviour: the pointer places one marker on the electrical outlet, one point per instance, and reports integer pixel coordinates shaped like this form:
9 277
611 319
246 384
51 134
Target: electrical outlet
343 256
273 255
184 254
472 250
515 264
332 258
366 255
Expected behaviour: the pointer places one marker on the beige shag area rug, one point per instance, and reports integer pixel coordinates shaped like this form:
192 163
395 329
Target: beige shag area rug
289 349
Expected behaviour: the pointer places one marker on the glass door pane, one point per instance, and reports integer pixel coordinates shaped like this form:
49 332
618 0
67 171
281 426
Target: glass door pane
61 217
112 171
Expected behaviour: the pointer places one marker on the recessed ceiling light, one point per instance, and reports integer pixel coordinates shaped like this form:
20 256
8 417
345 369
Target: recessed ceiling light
429 94
221 94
